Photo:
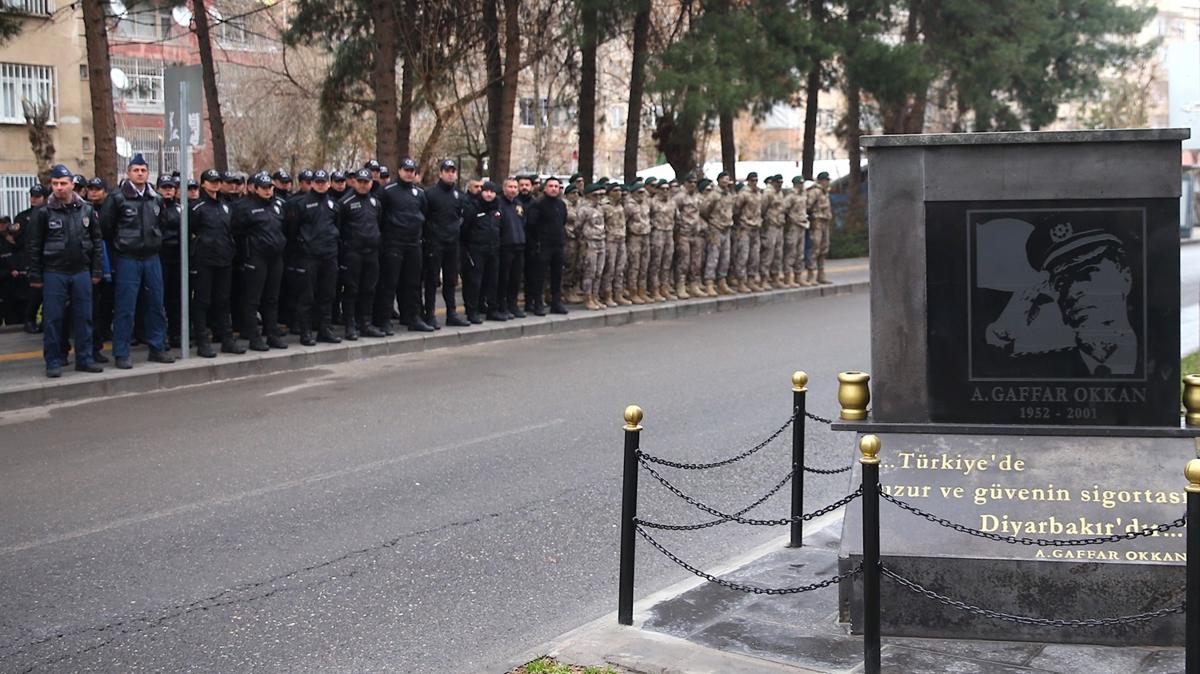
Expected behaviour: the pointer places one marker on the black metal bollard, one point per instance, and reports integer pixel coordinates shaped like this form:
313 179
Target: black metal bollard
869 446
799 393
633 435
1192 629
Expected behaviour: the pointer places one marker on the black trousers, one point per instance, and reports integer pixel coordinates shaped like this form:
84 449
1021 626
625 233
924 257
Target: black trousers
261 277
14 296
171 285
399 278
360 275
544 262
440 261
102 313
34 302
210 301
314 280
512 263
480 272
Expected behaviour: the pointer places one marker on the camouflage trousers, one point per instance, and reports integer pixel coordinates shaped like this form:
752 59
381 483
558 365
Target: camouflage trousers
745 265
613 278
689 258
716 255
820 243
662 251
637 248
793 249
572 269
593 265
771 256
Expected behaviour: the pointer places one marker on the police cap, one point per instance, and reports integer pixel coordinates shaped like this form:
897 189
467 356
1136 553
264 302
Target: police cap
306 175
210 176
363 174
320 176
260 179
282 176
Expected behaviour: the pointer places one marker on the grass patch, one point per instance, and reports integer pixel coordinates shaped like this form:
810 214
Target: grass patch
546 665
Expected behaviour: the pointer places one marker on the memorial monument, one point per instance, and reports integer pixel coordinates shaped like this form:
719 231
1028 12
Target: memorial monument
1025 382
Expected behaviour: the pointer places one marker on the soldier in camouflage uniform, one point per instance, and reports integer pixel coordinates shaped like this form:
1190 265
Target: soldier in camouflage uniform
795 206
747 213
591 233
662 243
612 281
637 242
771 257
716 208
572 269
689 251
820 216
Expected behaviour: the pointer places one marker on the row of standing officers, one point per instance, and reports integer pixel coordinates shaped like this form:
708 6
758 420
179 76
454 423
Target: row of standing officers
363 250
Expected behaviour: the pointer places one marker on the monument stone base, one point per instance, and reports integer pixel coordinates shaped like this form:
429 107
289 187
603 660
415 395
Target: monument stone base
1032 487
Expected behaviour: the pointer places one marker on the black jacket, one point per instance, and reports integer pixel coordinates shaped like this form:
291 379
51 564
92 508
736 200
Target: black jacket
481 223
64 237
172 215
132 222
443 221
210 231
310 222
404 210
546 223
358 222
258 226
13 256
512 222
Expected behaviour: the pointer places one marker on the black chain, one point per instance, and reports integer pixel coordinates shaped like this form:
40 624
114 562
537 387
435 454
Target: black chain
814 417
725 462
747 588
827 471
1026 620
1043 542
741 520
692 527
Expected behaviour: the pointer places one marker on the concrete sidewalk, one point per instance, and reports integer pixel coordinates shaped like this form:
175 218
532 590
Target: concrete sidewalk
702 628
23 382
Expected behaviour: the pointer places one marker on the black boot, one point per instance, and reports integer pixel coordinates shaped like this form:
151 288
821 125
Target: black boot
473 318
497 316
368 330
157 356
204 349
325 336
558 308
230 345
418 325
432 321
351 331
257 344
276 342
454 320
99 357
307 338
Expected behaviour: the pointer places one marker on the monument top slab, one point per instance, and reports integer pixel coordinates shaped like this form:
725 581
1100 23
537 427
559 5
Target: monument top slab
1026 137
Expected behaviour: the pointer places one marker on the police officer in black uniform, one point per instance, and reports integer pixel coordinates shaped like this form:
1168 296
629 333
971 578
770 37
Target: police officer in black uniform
310 222
402 224
481 254
210 266
337 185
169 256
37 197
443 227
281 181
545 228
258 228
358 223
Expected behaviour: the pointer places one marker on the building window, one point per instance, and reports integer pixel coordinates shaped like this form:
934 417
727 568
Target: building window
14 192
34 7
616 116
20 82
778 151
528 113
151 23
230 31
144 91
149 143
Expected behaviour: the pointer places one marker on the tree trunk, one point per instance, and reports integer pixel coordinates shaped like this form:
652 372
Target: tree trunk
494 71
587 91
637 86
104 123
853 133
383 78
37 123
812 100
407 84
502 160
728 146
216 123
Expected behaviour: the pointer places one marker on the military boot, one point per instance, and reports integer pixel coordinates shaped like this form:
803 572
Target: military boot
592 304
621 298
711 289
742 286
658 296
766 284
724 289
810 277
696 291
781 280
681 291
821 277
636 298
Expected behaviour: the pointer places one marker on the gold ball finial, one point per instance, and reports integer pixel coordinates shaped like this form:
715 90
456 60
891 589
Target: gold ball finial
633 418
854 395
1191 399
1192 473
799 381
870 445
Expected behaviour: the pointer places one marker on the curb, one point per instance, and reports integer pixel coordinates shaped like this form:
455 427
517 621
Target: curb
153 377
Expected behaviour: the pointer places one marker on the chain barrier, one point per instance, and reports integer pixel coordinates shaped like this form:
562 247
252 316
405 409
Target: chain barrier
1042 542
753 589
827 471
737 518
1027 620
692 527
814 417
717 464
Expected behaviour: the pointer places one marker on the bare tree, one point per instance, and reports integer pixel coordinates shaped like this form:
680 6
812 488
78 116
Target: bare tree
37 123
104 123
212 98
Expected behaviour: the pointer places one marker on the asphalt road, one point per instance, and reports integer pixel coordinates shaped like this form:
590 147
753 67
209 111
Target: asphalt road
441 511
